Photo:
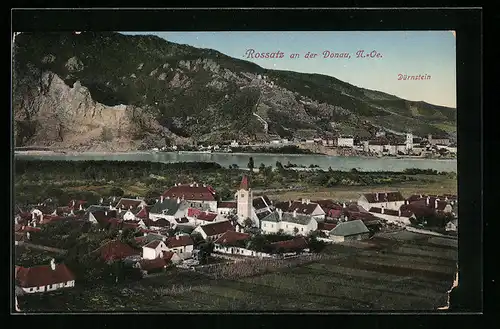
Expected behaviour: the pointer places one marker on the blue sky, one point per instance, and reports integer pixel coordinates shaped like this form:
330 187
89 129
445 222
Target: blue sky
429 53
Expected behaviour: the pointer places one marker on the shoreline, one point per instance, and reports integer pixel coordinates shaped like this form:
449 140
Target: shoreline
101 153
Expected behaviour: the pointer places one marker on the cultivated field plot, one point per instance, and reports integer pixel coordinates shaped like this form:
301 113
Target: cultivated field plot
385 274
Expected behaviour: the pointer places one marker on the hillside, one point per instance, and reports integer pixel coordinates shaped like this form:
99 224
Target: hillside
114 92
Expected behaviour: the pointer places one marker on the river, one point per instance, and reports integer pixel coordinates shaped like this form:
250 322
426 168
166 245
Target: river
226 159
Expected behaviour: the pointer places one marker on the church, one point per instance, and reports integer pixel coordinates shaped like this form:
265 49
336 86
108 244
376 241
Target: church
250 207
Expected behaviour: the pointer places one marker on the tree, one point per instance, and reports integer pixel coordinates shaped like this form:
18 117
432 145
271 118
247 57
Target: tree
262 168
295 230
248 223
116 191
250 164
197 239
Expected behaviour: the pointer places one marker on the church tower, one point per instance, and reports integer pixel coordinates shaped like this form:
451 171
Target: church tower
409 141
244 197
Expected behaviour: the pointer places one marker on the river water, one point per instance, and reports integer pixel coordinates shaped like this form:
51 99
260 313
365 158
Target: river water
227 159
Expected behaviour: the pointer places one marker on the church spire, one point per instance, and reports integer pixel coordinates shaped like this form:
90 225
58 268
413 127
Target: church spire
244 183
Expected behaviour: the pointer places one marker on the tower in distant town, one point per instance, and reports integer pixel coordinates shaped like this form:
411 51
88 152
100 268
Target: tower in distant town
409 141
244 197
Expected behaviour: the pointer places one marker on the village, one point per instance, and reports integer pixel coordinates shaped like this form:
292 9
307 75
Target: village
187 225
382 144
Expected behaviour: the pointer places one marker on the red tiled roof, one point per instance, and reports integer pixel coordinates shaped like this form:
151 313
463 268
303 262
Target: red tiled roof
244 183
140 240
31 229
116 249
227 204
179 241
39 276
231 237
296 243
161 222
152 264
198 193
328 205
193 212
143 213
217 228
206 216
326 226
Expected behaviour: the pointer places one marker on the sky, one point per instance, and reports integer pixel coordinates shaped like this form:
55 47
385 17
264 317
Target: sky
430 54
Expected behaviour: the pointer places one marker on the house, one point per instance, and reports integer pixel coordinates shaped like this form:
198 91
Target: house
236 243
129 204
332 209
392 216
168 209
388 200
211 232
452 226
159 224
101 216
203 217
154 249
428 206
325 228
438 140
289 247
351 230
181 244
194 193
115 250
148 266
44 278
303 207
345 141
227 208
289 223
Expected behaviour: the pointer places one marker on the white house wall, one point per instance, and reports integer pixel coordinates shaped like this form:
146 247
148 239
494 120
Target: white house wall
239 251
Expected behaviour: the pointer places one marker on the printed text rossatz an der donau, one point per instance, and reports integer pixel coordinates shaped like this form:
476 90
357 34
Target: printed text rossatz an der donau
251 53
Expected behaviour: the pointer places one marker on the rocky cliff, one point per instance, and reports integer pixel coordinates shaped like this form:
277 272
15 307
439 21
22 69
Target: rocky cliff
107 91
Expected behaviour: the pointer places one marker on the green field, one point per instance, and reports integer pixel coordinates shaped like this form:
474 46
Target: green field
400 271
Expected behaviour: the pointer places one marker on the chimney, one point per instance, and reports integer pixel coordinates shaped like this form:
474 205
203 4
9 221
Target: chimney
175 184
177 237
381 209
142 206
106 213
73 203
110 207
81 207
399 212
303 201
343 205
130 207
119 210
161 198
145 234
34 223
114 199
308 201
53 264
436 203
290 203
163 239
101 200
427 201
28 235
376 196
295 213
178 200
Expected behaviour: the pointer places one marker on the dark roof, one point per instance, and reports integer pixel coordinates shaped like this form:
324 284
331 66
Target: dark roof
231 237
263 214
261 202
161 222
116 249
244 183
217 228
272 217
43 275
328 205
143 213
104 215
384 197
179 241
350 228
298 219
170 206
191 192
293 244
153 244
227 204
